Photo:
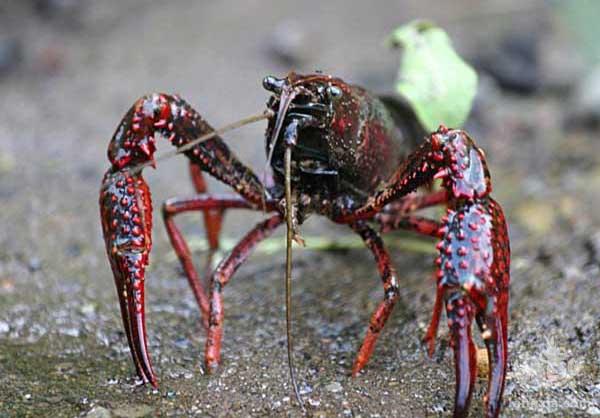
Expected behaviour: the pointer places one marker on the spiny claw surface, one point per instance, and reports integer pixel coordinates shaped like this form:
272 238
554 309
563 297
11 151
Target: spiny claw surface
473 274
126 212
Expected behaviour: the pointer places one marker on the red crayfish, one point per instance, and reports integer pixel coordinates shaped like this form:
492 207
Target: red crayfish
334 150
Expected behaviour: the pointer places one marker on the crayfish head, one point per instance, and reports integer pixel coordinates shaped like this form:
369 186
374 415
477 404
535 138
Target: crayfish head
303 107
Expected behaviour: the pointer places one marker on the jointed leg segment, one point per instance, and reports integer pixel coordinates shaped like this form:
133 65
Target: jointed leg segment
220 278
390 286
213 218
208 204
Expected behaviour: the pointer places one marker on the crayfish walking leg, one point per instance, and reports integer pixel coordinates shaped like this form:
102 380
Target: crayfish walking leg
212 206
390 286
220 278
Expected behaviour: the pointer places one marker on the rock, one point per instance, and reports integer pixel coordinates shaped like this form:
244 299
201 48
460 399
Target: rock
561 64
514 63
334 387
305 389
585 103
98 412
592 245
314 402
593 410
11 54
133 411
34 264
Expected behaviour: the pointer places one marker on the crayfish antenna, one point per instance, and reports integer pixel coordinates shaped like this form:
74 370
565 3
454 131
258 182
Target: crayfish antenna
288 270
287 96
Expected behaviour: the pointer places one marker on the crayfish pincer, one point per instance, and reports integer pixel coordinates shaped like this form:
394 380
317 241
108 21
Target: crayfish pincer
334 150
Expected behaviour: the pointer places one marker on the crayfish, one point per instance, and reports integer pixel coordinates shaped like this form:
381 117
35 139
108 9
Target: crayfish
334 150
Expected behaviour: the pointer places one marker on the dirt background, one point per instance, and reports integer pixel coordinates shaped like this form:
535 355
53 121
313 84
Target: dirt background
70 69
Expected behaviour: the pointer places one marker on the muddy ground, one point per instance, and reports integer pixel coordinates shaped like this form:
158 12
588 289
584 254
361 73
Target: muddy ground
68 72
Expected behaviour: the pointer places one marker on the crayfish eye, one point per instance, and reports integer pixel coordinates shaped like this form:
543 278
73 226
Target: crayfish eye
334 92
273 84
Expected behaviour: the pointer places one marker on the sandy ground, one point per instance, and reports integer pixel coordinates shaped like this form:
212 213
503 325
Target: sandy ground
62 350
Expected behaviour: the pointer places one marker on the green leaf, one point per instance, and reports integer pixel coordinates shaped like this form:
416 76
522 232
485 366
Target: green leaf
433 78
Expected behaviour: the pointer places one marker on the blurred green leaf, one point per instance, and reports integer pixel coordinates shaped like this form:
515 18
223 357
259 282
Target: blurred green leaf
275 245
436 81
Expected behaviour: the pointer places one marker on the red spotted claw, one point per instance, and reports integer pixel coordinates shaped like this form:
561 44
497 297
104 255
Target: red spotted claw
126 205
473 263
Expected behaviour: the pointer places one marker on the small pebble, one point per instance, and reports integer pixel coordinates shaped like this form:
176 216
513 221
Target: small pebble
4 327
34 264
334 387
137 411
98 412
593 410
11 54
584 107
314 402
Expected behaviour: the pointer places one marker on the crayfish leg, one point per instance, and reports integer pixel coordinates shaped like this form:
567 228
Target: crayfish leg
219 279
387 272
213 218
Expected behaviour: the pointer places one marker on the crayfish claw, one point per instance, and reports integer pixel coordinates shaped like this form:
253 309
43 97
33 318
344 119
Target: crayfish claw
493 330
126 211
473 271
130 286
431 334
460 314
